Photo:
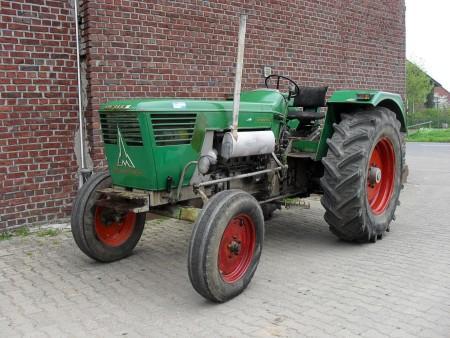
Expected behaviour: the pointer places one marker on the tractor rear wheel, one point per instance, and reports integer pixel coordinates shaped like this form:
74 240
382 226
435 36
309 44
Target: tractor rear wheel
362 177
101 233
226 245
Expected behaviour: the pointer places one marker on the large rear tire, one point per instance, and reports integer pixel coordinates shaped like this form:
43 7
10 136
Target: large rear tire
362 176
226 245
101 233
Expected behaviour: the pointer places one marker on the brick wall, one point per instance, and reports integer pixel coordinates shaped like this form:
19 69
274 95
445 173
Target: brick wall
177 48
37 111
188 48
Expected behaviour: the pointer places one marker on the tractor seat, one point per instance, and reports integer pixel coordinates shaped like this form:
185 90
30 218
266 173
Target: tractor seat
310 99
304 115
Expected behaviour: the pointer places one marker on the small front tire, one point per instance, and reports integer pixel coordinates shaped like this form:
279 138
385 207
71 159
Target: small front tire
226 245
101 233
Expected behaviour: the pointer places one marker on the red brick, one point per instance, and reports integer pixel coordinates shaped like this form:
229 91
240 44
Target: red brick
30 114
170 48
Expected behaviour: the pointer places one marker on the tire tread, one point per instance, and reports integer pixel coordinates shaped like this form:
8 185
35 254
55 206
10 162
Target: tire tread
342 180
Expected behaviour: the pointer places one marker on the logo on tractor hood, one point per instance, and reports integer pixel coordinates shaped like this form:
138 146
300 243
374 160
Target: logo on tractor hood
124 160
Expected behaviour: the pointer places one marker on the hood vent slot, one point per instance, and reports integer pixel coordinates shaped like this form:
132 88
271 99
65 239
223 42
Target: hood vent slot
173 129
128 124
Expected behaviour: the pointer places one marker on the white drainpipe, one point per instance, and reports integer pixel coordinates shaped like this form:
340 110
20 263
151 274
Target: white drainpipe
83 171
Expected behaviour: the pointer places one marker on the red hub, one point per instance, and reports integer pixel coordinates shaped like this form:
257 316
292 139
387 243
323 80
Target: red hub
113 229
381 176
236 248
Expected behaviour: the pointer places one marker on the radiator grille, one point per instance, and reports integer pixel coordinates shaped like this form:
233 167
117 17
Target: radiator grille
173 129
128 124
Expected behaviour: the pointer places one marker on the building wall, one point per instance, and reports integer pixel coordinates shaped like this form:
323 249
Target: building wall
37 111
441 98
188 48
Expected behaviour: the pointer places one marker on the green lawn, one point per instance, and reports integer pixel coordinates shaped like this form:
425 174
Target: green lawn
430 135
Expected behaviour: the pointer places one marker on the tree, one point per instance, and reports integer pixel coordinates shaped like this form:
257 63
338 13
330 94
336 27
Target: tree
418 85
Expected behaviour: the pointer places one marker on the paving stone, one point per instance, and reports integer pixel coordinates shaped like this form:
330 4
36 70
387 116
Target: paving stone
308 282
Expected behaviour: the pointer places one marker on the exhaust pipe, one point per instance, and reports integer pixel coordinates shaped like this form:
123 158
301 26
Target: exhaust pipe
241 144
238 78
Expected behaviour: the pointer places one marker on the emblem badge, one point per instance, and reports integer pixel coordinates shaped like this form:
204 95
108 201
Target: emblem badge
124 160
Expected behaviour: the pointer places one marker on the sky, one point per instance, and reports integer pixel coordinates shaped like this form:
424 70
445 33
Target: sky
428 37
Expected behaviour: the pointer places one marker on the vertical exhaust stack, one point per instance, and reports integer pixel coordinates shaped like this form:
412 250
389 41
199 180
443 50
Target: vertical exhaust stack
238 78
243 144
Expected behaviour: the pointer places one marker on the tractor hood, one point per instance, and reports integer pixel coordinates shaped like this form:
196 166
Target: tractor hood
261 101
149 141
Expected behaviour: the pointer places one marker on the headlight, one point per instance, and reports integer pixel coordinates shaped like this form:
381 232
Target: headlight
205 162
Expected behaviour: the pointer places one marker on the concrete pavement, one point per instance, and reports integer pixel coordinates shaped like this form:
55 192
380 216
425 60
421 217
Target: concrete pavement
308 283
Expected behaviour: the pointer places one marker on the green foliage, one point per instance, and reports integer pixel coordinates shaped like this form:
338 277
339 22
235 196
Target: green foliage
418 85
25 231
432 113
5 235
436 116
22 232
430 135
48 232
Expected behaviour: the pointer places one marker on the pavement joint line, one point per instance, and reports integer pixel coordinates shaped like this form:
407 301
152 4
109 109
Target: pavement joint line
307 284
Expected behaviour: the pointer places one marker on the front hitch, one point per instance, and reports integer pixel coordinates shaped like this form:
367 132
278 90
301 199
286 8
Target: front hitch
124 201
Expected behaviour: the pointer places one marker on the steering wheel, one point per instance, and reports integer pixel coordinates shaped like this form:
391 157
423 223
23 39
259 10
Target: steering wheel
279 77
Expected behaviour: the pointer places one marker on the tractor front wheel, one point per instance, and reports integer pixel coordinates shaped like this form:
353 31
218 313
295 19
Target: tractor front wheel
102 233
362 179
226 245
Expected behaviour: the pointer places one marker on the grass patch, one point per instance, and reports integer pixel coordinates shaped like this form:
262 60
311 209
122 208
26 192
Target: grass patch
47 232
430 135
5 235
22 232
25 231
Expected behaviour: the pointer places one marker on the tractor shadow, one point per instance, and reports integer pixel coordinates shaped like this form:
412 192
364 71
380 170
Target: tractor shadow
302 227
157 270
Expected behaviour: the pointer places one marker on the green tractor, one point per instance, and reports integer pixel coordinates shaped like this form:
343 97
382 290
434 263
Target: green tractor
229 164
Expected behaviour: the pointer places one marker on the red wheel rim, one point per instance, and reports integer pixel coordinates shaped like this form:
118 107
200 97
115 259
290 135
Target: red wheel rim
379 191
113 232
236 248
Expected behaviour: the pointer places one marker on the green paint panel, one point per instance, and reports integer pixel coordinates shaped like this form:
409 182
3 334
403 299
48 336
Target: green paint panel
327 132
142 171
339 97
378 98
305 146
173 131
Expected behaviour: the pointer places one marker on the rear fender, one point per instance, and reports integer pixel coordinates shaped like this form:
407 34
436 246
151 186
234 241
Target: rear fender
347 101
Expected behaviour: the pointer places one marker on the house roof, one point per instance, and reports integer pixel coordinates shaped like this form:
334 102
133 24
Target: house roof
441 91
435 83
